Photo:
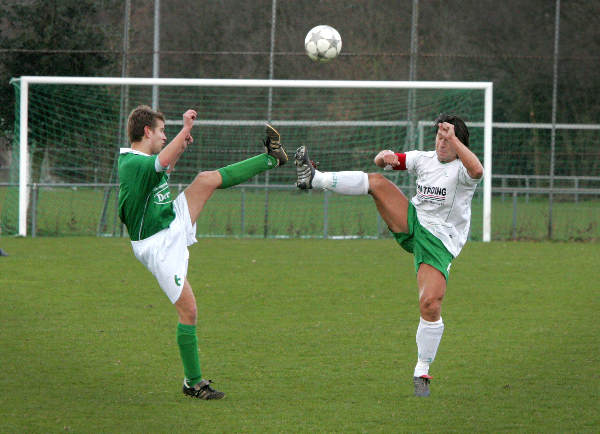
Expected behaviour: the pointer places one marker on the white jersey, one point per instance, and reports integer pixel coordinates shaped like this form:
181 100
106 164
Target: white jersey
443 199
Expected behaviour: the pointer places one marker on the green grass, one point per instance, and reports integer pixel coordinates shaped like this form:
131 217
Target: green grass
302 335
295 214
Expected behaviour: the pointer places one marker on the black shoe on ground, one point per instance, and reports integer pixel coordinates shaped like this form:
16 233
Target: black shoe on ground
273 145
202 390
305 170
422 385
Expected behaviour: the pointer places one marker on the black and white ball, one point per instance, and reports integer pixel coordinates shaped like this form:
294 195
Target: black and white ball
323 43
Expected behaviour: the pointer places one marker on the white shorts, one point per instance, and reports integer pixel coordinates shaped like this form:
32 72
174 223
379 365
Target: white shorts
166 253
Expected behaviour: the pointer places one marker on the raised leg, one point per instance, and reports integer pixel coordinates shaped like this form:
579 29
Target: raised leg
391 203
199 191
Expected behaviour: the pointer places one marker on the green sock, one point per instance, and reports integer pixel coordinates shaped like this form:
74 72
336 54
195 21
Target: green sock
188 348
241 171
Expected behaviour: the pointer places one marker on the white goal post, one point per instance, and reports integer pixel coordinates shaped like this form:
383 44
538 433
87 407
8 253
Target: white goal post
26 81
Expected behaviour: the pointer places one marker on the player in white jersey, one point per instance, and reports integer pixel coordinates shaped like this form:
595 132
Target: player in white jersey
433 225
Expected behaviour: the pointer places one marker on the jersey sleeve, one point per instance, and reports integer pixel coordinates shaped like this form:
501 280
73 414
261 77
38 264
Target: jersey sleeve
465 178
157 166
412 162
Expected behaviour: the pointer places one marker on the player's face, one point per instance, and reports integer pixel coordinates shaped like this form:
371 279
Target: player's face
158 137
445 152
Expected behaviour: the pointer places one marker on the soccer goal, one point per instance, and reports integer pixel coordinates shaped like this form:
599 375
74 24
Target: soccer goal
69 131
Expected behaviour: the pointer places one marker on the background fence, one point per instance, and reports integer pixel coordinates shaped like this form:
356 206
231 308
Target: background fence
520 205
519 211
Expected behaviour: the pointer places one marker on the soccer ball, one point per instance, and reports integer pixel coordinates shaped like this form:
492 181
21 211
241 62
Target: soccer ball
323 43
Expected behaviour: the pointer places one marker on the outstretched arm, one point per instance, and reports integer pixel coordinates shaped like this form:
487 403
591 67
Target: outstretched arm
171 153
390 160
467 157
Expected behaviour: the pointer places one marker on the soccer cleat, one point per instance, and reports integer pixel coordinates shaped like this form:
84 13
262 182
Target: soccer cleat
273 145
422 385
202 390
305 169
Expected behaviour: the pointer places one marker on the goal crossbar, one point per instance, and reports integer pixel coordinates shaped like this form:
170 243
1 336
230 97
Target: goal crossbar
217 82
25 81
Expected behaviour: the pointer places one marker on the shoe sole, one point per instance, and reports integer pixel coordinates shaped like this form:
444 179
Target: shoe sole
273 133
279 153
301 160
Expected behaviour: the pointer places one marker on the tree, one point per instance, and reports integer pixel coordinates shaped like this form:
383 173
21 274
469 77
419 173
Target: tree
45 37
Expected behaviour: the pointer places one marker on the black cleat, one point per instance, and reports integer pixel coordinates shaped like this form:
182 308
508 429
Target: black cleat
273 145
305 169
422 385
202 390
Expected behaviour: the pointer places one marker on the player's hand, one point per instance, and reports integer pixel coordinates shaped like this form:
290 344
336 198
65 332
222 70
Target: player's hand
188 119
390 159
386 159
446 129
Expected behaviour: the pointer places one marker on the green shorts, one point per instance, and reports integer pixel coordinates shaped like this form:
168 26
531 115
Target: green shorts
425 247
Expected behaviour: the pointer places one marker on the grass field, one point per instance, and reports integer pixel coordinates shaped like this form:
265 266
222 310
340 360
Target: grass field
302 335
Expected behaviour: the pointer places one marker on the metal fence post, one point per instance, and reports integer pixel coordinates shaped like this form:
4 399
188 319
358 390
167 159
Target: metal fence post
325 212
514 216
116 220
243 211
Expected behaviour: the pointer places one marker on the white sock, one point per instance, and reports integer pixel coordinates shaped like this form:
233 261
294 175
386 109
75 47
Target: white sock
351 182
429 335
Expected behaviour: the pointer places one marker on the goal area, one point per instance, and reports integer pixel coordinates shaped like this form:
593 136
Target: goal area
69 130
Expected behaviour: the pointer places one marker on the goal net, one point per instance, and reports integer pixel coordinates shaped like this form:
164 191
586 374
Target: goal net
69 131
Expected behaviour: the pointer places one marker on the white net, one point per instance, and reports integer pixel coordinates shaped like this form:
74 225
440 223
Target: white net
75 132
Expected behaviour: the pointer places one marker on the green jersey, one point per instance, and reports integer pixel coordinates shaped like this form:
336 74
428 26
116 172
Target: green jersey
145 204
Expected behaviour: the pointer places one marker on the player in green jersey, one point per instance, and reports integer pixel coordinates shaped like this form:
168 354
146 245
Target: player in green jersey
161 229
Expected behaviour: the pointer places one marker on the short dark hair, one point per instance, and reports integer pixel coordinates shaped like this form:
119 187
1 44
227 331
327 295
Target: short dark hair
140 117
460 128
